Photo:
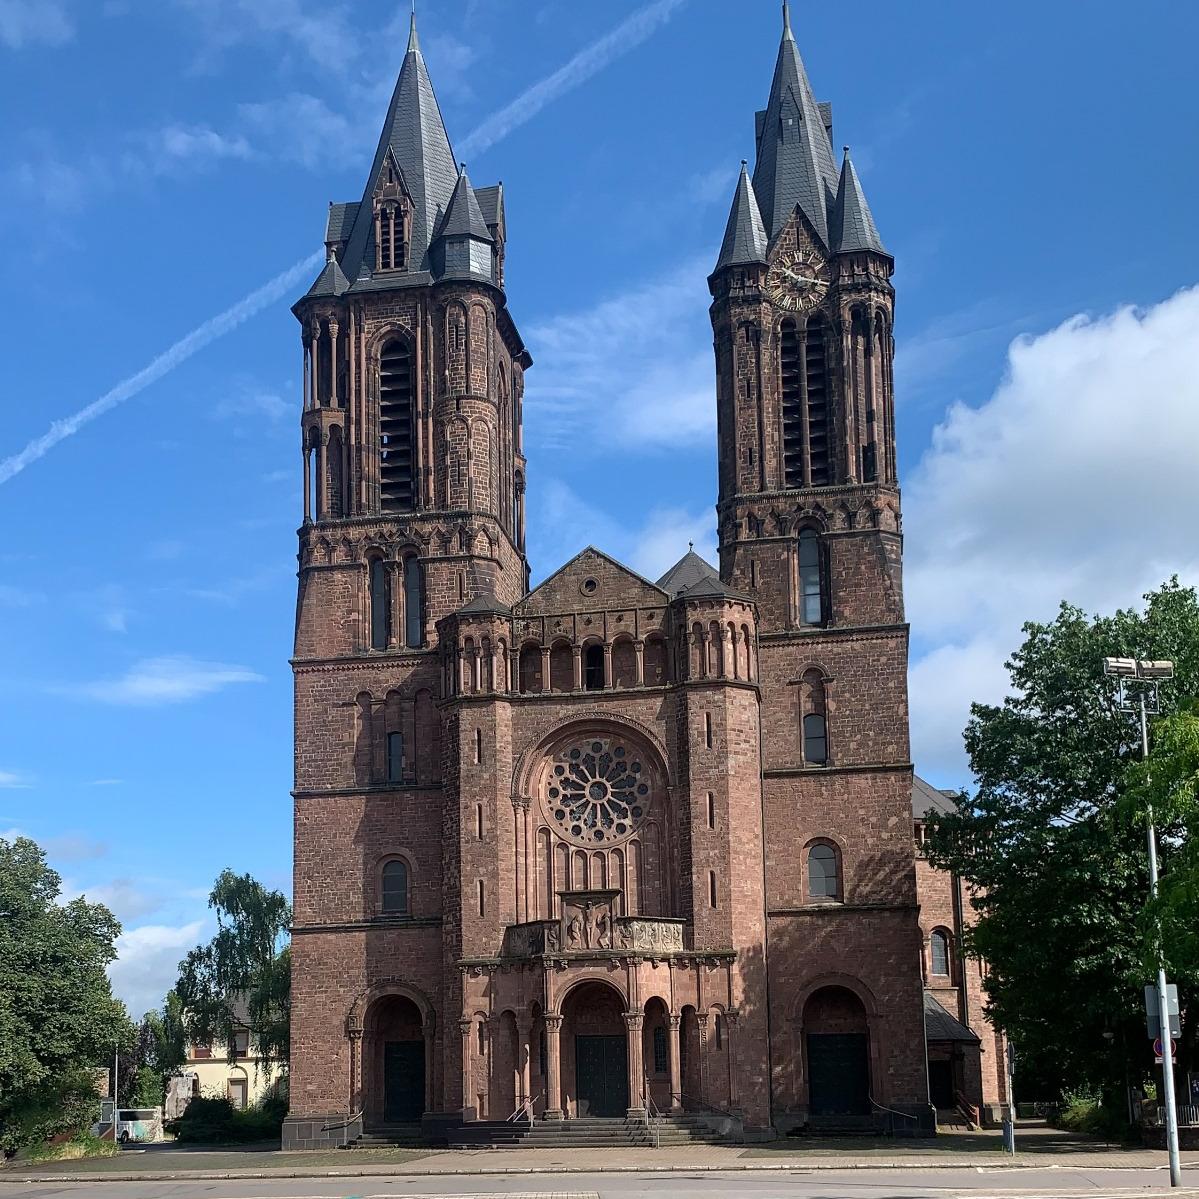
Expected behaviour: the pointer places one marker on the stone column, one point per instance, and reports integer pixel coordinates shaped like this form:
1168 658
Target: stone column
307 483
577 655
553 1085
639 656
333 327
676 1076
395 594
466 1026
545 668
705 654
728 653
636 1055
430 1057
803 409
702 1021
607 665
730 1026
355 1071
306 371
524 1031
314 385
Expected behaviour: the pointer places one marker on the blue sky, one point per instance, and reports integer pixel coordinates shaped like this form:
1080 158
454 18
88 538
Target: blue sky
1032 171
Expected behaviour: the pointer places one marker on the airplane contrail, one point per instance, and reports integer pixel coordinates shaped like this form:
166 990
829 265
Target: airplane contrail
629 34
182 350
626 36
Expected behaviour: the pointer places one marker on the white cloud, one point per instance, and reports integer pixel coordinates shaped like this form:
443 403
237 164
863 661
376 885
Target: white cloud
147 964
1074 481
30 22
166 680
124 897
638 364
254 402
11 780
316 28
303 129
11 834
74 847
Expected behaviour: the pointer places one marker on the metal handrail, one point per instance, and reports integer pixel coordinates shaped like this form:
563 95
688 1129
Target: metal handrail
344 1124
706 1105
967 1108
526 1103
653 1118
892 1112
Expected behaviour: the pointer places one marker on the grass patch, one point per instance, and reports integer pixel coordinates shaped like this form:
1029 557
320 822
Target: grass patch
83 1145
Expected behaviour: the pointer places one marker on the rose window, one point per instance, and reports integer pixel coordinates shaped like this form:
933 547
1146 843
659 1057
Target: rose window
598 792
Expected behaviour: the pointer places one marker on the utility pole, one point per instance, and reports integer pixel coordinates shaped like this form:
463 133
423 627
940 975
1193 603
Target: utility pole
1144 678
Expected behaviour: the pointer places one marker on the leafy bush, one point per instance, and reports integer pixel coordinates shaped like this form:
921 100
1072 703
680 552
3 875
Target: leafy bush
83 1144
33 1117
217 1121
1084 1113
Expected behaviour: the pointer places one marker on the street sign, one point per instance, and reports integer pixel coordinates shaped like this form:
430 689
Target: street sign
1157 1050
1152 1023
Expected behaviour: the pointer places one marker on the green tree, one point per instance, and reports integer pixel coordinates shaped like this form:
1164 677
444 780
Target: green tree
243 975
1053 849
57 1013
158 1050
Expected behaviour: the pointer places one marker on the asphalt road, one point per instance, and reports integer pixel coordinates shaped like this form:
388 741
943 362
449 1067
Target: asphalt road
970 1182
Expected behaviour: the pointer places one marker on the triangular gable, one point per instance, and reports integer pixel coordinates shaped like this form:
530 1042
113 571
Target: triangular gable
616 586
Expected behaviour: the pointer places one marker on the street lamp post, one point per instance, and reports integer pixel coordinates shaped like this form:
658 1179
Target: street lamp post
1139 682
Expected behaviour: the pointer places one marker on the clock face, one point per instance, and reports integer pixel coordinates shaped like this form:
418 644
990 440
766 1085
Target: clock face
797 281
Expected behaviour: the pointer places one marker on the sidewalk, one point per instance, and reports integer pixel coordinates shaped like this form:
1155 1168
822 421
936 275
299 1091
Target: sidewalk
1038 1147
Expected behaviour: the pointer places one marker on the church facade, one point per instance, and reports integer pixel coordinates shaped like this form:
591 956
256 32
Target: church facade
611 844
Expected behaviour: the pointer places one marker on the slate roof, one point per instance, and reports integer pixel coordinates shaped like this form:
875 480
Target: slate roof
853 227
464 218
926 798
941 1025
341 221
491 202
689 570
794 154
331 281
415 133
713 589
744 236
485 603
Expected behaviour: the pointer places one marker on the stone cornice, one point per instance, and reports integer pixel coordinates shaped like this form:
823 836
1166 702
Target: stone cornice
371 790
778 772
366 660
381 924
834 909
871 632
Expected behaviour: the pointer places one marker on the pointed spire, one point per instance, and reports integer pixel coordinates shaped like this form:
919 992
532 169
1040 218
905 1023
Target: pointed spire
464 217
415 134
795 156
853 226
744 236
413 40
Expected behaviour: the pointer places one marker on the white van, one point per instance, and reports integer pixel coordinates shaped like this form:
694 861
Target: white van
139 1124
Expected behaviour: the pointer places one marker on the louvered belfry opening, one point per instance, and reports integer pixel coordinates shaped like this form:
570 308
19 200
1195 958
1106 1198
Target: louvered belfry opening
792 406
816 369
397 492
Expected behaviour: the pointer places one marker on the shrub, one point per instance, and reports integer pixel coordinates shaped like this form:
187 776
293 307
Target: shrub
1087 1114
71 1106
217 1121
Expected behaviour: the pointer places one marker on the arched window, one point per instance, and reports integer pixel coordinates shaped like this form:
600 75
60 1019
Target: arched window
792 391
938 954
661 1061
414 602
813 707
334 456
816 376
718 1027
380 587
395 757
395 888
397 489
815 739
811 581
593 667
823 874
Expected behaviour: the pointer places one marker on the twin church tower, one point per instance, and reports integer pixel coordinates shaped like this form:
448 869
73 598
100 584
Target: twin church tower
611 844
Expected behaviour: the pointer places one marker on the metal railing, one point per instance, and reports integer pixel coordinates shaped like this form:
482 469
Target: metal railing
1188 1114
653 1119
967 1109
704 1105
530 1103
344 1125
890 1129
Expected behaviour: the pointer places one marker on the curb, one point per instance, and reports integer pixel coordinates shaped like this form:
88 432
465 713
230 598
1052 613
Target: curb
382 1170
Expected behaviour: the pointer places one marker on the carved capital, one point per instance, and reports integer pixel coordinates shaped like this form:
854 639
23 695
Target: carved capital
675 1021
553 1022
465 1025
633 1021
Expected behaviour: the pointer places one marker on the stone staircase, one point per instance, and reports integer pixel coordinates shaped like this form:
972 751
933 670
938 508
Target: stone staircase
586 1133
391 1136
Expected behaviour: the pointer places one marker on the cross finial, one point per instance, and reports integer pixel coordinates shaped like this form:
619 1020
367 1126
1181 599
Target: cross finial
787 19
691 545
